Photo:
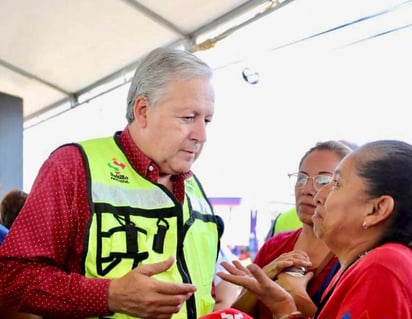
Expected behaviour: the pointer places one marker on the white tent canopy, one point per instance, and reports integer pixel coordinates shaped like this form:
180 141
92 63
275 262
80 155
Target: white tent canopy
52 51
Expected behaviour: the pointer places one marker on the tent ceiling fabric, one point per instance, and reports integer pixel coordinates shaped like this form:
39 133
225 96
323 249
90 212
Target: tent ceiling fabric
52 50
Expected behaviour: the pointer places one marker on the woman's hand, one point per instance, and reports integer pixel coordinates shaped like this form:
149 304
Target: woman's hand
292 258
256 281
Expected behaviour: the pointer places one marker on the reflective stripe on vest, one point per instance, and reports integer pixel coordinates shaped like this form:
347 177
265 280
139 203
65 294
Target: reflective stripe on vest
135 222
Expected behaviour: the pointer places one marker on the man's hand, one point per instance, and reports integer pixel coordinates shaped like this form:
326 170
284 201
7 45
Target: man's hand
139 295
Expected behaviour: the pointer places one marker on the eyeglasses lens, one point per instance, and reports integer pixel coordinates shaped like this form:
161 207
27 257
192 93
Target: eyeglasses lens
300 180
321 180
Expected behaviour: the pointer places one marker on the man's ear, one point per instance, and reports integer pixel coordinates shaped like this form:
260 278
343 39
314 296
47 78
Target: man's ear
382 209
140 110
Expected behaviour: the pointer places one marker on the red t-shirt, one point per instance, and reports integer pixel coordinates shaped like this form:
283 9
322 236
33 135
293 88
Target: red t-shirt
282 243
376 286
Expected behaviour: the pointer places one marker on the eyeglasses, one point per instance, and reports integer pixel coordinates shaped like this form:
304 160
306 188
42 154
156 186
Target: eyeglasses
298 180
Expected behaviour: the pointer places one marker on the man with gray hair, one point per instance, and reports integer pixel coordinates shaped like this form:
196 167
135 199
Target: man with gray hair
120 227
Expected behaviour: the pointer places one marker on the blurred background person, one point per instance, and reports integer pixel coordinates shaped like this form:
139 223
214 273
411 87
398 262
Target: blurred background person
286 220
3 233
11 205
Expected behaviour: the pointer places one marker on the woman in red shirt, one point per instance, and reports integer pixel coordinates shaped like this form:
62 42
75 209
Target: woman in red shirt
300 247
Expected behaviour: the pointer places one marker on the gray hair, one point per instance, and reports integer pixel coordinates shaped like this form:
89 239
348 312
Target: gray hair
157 69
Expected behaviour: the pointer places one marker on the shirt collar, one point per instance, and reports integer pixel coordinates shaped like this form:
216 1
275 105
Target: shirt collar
144 165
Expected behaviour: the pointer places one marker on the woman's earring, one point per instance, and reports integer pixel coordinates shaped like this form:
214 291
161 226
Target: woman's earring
364 225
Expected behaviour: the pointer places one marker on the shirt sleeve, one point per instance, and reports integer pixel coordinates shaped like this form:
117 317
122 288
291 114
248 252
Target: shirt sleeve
40 260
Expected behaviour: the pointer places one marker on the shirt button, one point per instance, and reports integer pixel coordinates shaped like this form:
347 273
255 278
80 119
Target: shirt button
150 168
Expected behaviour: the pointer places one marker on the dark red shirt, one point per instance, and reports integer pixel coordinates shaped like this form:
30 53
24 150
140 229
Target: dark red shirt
40 260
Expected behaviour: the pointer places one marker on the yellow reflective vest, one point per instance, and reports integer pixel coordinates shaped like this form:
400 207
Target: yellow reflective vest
135 221
285 221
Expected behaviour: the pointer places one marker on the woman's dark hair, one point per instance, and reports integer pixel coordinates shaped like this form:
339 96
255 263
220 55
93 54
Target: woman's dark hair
386 166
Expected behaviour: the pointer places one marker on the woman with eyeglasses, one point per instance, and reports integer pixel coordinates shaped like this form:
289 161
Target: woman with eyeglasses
297 260
364 215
